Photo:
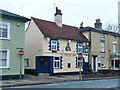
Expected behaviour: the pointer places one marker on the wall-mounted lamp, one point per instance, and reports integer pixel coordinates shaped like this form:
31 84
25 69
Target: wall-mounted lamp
48 38
87 43
18 24
69 41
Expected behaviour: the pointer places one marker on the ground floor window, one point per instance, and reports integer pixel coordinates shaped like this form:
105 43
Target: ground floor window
27 62
69 65
4 58
102 61
56 62
79 62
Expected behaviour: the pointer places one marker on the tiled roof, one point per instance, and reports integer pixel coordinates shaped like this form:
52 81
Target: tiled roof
9 14
50 29
83 29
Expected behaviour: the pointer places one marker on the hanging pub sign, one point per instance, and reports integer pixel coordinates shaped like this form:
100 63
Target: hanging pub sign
68 48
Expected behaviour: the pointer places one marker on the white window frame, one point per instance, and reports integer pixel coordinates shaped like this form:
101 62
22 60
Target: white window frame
53 44
7 62
79 48
114 46
8 30
102 46
102 62
57 61
27 65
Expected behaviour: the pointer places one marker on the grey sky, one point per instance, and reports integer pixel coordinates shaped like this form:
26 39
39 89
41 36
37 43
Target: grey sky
74 11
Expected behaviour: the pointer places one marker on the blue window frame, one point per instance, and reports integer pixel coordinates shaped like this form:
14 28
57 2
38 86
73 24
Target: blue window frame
79 47
54 45
78 63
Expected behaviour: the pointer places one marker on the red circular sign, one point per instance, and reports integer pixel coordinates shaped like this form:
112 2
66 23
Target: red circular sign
80 56
21 52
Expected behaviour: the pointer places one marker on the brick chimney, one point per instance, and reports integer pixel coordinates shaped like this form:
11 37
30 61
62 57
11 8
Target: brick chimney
98 24
58 17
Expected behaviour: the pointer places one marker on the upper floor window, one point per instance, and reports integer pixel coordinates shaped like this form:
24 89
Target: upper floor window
4 30
102 46
102 35
54 45
4 58
114 47
114 37
79 47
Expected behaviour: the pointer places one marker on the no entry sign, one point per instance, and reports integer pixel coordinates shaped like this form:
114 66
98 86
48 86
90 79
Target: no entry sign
80 56
21 52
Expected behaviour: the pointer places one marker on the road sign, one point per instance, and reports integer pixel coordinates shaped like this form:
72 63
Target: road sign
80 56
21 52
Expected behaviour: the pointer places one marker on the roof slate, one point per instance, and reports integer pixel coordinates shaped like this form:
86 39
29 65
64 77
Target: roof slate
83 29
50 29
9 14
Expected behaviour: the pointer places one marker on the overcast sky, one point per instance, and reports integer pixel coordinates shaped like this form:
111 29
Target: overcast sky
74 11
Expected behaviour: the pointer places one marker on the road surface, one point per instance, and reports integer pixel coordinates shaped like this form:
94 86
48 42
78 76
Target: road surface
111 83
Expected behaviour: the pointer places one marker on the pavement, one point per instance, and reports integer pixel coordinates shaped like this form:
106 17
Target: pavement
39 80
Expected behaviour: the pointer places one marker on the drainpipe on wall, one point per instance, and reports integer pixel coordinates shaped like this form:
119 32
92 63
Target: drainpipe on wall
89 57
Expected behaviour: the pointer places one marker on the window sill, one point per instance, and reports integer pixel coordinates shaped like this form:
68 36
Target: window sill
26 66
4 68
102 51
5 38
102 66
56 68
54 51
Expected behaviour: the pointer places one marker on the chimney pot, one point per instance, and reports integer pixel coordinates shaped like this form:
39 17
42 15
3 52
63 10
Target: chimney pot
58 17
98 24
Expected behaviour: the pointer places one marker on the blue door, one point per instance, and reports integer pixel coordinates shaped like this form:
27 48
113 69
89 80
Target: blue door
94 63
83 64
42 65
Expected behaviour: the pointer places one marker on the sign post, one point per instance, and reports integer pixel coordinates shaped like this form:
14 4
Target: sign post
21 53
80 56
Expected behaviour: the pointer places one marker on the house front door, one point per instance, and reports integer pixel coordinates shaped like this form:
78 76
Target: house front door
94 59
42 65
